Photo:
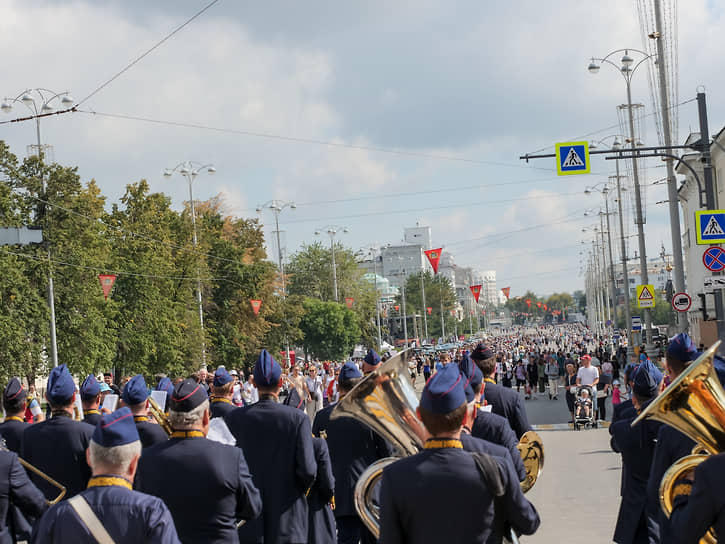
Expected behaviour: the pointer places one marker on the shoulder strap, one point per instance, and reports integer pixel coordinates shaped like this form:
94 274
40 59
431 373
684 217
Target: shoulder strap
488 467
90 520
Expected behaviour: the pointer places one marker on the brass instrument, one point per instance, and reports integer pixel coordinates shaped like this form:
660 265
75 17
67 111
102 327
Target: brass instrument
40 473
159 415
694 404
385 401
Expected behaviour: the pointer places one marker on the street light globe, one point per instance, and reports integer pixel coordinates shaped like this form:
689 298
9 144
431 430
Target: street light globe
639 143
587 191
259 209
27 99
605 190
346 230
616 144
293 206
592 145
184 171
317 233
67 100
626 70
47 108
6 106
627 60
593 67
211 170
167 173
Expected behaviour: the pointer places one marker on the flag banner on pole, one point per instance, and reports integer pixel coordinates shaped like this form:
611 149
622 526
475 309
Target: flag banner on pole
538 304
528 302
107 281
506 291
476 290
349 301
545 308
396 307
434 257
429 309
256 305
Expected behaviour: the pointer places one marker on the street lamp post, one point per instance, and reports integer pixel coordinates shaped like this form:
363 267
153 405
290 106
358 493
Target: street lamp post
191 169
31 98
627 71
373 250
277 206
332 231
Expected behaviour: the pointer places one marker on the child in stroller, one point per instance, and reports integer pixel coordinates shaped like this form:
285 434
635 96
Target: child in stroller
583 408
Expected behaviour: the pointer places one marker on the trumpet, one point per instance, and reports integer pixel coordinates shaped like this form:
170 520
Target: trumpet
41 474
694 404
159 415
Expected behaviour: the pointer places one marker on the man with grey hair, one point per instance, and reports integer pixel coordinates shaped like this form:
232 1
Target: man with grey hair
206 484
109 510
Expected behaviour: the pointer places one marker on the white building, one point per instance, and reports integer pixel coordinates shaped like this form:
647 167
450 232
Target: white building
420 236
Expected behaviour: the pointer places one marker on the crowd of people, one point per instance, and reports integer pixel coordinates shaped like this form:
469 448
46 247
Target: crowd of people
284 470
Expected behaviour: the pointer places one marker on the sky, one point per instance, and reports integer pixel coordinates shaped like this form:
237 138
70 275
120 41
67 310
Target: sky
373 116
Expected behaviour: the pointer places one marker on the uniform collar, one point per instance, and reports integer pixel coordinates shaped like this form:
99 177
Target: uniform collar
89 412
140 419
60 413
490 380
14 418
221 399
104 481
187 434
439 443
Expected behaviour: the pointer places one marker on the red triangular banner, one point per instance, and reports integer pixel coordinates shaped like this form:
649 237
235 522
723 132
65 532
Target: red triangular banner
538 304
429 309
107 281
349 301
528 302
506 291
476 290
256 305
396 307
434 257
545 308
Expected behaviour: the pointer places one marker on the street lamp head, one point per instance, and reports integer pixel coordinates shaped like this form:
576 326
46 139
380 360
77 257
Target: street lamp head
259 209
211 170
593 145
317 233
605 190
67 100
184 171
626 70
6 106
627 60
638 143
293 206
345 230
616 144
167 173
593 67
27 99
587 191
47 108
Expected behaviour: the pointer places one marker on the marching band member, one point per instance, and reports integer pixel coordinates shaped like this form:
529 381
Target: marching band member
504 402
57 446
371 362
205 484
277 443
109 510
353 448
322 527
17 492
221 393
91 400
135 395
413 486
11 430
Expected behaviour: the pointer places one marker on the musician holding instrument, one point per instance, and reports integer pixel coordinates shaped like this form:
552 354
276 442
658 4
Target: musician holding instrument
415 490
57 446
353 447
671 443
637 521
222 391
135 396
109 511
12 429
18 491
90 392
205 484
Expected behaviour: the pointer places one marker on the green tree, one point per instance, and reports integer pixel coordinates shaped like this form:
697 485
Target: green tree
330 329
437 289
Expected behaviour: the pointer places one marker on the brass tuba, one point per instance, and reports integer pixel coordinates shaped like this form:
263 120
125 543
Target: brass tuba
694 404
159 415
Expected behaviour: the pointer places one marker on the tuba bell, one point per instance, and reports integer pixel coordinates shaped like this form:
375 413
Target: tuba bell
694 404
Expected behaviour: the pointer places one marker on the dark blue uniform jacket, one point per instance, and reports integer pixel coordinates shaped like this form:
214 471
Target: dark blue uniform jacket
205 484
150 433
12 432
322 529
496 429
58 446
17 490
220 408
277 443
507 403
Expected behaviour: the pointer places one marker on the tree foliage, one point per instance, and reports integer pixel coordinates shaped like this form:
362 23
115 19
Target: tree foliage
330 329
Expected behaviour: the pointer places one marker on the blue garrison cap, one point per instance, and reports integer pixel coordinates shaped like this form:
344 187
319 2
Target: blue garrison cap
682 348
165 385
444 391
222 377
187 395
115 429
266 371
482 352
646 380
90 388
14 391
349 371
60 386
472 376
372 358
135 391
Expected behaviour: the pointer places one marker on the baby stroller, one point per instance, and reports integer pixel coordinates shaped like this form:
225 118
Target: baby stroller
584 408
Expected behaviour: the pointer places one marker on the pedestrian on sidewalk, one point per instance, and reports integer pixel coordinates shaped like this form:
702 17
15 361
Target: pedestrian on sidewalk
552 373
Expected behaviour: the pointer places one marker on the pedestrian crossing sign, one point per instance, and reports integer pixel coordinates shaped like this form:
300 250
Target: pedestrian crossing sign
710 227
572 158
646 296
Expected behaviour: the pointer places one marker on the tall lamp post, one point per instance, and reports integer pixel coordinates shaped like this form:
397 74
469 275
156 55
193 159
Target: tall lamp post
277 206
41 101
627 68
373 251
332 231
191 169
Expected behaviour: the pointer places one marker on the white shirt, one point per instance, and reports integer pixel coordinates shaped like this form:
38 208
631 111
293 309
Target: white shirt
250 393
587 376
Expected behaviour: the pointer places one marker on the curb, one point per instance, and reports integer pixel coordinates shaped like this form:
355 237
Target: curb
563 426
